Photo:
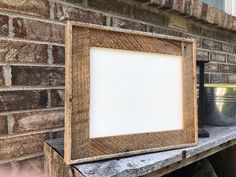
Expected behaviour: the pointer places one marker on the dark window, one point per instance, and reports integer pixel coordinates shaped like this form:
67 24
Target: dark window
219 4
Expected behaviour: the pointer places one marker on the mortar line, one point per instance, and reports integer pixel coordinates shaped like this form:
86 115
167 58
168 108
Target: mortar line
50 57
7 75
52 8
31 110
10 123
25 157
49 99
29 17
224 63
32 64
24 88
222 73
10 27
2 137
214 51
31 41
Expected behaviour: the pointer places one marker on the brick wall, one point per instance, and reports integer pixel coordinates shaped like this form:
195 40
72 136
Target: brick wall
32 59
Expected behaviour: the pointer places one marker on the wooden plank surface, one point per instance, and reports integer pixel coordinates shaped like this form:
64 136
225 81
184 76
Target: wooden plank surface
159 163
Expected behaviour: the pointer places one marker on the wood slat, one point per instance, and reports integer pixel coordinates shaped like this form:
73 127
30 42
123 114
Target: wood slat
55 166
125 41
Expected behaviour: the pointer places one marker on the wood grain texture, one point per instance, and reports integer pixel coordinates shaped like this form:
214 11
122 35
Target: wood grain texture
54 165
189 86
125 41
80 91
68 90
78 146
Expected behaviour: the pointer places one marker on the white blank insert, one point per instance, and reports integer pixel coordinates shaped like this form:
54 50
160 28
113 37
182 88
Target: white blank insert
134 92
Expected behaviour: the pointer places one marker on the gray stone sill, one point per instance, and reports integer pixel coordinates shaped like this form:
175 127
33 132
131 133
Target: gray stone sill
220 138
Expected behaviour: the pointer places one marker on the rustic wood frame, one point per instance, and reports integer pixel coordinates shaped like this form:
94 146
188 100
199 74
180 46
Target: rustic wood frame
78 146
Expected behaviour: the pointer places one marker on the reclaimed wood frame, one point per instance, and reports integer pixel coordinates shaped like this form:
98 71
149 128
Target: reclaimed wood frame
78 147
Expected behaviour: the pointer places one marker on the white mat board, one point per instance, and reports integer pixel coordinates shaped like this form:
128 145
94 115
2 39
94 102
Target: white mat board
134 92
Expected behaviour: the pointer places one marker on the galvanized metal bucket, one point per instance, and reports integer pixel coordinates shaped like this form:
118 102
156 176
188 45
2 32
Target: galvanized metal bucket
220 104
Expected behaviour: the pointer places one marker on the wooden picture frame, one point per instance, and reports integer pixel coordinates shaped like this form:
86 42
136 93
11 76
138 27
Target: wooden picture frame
78 146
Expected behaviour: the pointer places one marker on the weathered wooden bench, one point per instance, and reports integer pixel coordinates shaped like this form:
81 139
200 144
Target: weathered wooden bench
148 165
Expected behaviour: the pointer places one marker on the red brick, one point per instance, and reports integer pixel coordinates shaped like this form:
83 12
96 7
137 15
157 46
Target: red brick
210 44
22 52
204 11
211 67
21 100
143 1
169 4
188 7
6 168
224 20
34 166
20 146
202 55
222 36
57 98
37 30
3 125
2 81
64 13
40 120
33 75
221 18
231 59
167 31
197 38
229 24
211 13
156 3
117 7
77 2
231 79
229 48
197 9
218 78
219 57
227 68
179 5
195 28
234 24
149 16
4 25
218 17
58 54
38 8
120 23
